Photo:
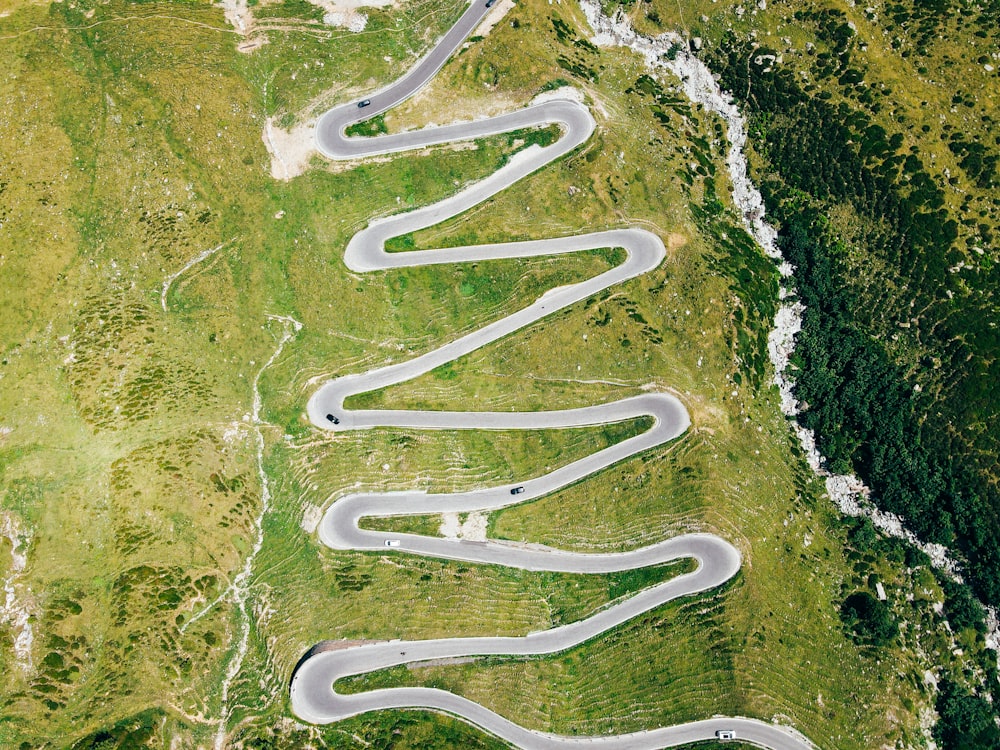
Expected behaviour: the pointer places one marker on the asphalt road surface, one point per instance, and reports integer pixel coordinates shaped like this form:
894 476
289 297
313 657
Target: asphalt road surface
312 690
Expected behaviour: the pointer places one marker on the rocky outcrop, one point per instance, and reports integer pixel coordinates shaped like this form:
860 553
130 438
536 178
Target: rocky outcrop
15 610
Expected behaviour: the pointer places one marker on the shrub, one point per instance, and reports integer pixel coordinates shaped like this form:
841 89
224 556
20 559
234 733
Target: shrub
966 721
869 620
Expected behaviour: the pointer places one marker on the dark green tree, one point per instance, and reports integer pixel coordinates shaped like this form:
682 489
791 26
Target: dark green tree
961 607
966 721
868 619
864 536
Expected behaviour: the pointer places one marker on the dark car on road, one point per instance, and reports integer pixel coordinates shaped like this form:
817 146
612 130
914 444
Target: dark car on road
517 490
331 418
364 103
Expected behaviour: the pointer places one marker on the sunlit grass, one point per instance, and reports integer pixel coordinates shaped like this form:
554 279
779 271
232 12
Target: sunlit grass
132 459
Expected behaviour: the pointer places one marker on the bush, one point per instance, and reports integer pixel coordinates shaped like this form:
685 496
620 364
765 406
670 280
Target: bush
864 536
966 721
961 607
869 620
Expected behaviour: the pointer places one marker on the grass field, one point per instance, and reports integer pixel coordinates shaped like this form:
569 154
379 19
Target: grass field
130 456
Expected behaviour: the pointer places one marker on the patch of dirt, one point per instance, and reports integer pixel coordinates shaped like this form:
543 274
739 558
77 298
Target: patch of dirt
345 13
472 530
238 15
335 6
493 17
676 241
251 44
290 150
311 516
340 13
450 526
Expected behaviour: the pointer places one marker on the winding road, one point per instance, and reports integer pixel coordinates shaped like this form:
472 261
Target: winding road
313 697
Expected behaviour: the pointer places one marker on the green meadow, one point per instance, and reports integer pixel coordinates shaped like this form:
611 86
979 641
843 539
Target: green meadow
131 142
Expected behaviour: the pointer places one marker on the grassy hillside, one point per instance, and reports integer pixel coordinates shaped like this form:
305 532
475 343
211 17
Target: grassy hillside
918 192
875 146
131 143
874 134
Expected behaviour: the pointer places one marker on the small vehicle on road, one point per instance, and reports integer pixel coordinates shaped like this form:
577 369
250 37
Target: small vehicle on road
517 490
333 419
725 734
391 542
489 3
364 103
